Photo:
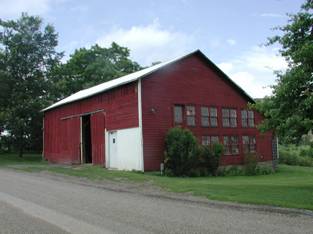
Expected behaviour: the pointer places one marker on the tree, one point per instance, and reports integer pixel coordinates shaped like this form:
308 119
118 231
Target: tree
27 56
289 111
89 67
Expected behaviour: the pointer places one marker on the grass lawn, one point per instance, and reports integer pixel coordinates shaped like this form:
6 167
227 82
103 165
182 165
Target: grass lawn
291 186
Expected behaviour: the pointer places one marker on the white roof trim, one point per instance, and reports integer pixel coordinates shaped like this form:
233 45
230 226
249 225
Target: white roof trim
112 84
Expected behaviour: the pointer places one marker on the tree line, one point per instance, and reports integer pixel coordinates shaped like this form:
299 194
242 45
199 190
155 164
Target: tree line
33 76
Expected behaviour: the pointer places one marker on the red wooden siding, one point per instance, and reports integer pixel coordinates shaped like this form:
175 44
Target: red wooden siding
62 137
191 81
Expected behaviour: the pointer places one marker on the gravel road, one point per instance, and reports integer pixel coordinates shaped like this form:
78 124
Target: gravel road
30 203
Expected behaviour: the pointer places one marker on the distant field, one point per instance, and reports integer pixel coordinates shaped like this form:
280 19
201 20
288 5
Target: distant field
291 186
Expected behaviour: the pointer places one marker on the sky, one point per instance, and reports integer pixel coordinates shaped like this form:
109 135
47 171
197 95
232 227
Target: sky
231 33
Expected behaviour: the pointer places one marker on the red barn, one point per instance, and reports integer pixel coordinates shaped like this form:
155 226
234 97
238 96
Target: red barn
122 123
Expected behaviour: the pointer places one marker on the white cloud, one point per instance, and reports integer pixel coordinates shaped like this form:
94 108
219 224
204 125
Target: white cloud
253 70
231 42
226 67
14 8
260 58
149 43
272 15
251 84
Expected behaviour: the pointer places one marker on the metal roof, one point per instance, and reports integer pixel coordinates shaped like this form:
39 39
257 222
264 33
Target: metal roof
135 76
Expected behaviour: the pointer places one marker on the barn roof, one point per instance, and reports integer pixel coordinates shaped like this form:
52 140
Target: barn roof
137 75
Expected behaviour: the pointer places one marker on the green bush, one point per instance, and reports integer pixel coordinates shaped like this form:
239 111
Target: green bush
240 171
184 157
209 158
230 171
264 170
250 164
301 155
181 152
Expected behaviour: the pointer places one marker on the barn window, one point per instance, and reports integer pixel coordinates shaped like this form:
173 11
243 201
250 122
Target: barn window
213 117
209 140
208 116
227 145
191 115
249 144
229 117
251 118
205 140
231 145
225 114
234 145
204 116
178 114
244 118
247 118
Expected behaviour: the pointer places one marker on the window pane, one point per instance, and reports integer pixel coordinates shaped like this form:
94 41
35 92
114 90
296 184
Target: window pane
214 140
225 113
226 145
178 114
244 122
233 113
251 122
190 110
234 139
251 118
213 112
245 140
205 140
191 121
251 114
205 116
225 122
234 149
213 121
252 144
234 145
244 114
233 122
204 111
226 140
205 121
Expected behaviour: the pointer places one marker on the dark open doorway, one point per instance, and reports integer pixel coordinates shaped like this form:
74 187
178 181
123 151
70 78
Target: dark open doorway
86 139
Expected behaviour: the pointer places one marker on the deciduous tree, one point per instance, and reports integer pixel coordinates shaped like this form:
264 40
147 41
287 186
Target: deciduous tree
28 55
289 111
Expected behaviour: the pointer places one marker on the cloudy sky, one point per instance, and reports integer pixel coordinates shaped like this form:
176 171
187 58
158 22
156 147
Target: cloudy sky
230 32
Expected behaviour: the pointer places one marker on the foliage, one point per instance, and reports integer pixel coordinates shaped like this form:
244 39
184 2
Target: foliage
230 171
89 67
210 158
184 157
301 155
181 151
27 56
250 164
241 171
264 170
289 110
32 77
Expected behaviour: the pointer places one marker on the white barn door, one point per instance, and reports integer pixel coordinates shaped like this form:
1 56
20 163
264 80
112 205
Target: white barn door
124 149
113 150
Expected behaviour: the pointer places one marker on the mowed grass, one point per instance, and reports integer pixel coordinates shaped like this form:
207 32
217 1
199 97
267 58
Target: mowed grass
290 186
